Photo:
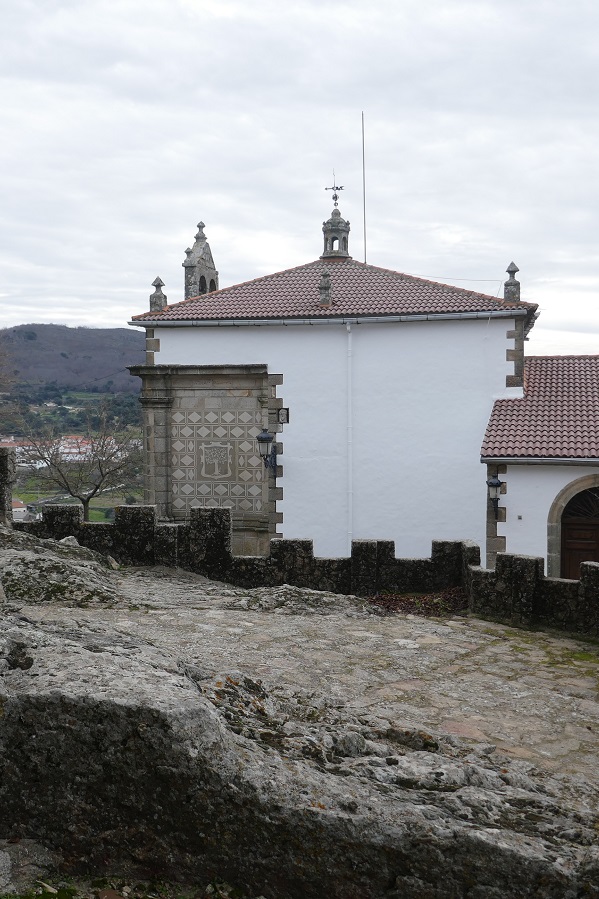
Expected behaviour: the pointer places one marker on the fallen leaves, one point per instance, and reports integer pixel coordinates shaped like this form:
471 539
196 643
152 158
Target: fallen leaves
441 604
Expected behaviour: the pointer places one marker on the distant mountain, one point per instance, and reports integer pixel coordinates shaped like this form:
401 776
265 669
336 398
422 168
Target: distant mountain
74 357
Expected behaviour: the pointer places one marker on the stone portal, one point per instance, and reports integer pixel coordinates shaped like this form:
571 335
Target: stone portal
200 448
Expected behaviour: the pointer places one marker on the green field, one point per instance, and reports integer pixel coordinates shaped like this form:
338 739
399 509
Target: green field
104 503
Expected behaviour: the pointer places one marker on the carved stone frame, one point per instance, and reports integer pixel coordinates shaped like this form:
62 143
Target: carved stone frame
165 387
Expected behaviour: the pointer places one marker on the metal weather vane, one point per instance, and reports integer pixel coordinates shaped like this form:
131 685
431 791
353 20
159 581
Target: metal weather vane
335 188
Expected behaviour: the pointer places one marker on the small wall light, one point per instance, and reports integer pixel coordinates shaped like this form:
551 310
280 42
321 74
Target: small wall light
268 449
495 485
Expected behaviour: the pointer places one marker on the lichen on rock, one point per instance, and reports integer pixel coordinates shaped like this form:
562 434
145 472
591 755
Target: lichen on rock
34 571
180 728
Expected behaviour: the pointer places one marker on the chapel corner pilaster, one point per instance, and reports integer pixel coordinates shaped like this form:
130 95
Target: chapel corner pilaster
494 542
515 354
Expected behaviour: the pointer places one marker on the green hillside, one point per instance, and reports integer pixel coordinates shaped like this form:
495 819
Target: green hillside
73 358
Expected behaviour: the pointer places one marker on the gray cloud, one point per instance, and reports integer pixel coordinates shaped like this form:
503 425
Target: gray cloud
125 122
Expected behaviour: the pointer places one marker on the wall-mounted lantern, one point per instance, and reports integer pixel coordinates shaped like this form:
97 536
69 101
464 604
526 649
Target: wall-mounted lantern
268 449
494 486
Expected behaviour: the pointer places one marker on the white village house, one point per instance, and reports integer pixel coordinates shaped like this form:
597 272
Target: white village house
379 388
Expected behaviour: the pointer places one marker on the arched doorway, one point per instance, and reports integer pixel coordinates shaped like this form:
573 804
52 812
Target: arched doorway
580 532
555 544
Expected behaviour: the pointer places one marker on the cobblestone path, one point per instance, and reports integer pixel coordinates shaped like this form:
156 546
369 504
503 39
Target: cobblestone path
532 695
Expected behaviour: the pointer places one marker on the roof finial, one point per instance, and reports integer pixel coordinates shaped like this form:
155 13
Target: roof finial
511 288
324 287
157 299
335 188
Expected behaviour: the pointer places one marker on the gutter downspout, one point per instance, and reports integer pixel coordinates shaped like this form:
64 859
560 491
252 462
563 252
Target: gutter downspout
350 439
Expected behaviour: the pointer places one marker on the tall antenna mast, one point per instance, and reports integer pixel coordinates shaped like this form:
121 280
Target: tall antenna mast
364 186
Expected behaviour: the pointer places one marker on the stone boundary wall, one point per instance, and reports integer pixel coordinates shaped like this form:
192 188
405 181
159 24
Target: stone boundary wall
203 545
514 592
8 470
517 592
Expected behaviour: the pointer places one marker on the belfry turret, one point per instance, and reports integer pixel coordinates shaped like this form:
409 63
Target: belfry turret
336 232
201 275
335 229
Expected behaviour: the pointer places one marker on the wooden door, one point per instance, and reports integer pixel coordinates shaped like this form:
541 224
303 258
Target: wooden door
580 532
580 543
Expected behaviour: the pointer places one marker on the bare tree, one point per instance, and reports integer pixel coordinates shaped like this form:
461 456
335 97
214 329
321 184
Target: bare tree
85 465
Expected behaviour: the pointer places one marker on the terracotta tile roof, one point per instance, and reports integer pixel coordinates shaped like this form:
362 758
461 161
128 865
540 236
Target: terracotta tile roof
356 289
558 417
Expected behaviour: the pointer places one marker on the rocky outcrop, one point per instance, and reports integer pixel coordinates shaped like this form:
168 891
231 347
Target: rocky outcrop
23 863
122 756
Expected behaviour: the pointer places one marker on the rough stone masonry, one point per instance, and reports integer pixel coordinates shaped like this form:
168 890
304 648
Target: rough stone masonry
296 743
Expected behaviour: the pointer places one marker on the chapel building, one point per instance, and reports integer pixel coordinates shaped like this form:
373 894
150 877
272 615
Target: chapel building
379 389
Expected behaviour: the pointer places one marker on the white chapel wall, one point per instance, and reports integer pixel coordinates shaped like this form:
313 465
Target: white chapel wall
421 395
531 490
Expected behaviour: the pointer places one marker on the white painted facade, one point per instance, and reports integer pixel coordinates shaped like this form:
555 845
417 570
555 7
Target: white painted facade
531 490
386 421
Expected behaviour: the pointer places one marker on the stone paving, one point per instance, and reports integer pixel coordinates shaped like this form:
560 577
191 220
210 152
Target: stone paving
532 695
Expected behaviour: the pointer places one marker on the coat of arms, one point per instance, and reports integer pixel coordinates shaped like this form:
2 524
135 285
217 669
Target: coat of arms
216 460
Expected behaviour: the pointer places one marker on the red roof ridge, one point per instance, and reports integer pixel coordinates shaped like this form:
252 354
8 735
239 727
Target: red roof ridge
565 356
558 416
464 290
391 272
239 284
359 289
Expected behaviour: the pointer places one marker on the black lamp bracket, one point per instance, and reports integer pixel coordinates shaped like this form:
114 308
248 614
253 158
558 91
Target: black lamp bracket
270 460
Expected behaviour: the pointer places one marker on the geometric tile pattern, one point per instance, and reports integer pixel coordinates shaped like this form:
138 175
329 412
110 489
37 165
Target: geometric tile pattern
215 460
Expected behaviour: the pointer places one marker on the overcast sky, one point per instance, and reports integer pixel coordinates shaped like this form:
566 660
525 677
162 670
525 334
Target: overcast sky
126 122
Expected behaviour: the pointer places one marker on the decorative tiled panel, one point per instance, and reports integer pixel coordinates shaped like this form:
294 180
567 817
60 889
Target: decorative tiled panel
215 459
